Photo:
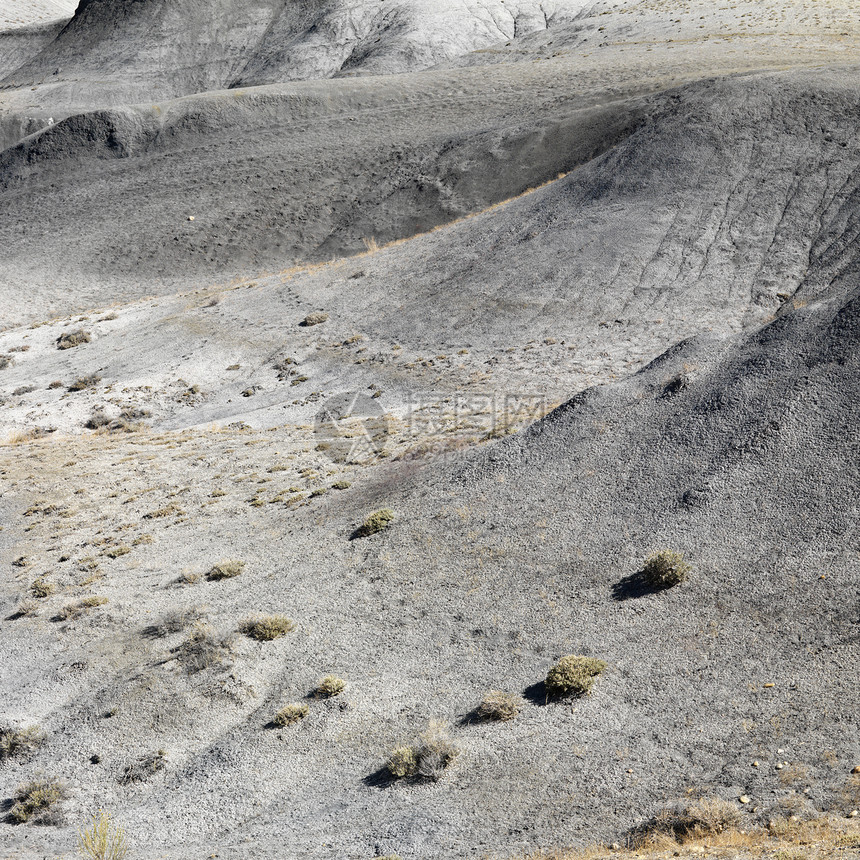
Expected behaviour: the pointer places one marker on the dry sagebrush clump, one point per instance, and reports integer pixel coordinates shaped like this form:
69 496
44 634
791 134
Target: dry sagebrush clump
42 588
290 714
69 339
665 569
573 676
498 705
74 610
265 628
702 817
206 649
330 686
427 757
33 800
226 569
376 522
19 742
144 767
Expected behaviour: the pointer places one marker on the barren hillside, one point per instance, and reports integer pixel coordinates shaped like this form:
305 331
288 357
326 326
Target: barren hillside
388 342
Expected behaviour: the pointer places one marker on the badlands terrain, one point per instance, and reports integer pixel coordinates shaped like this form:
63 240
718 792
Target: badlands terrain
559 285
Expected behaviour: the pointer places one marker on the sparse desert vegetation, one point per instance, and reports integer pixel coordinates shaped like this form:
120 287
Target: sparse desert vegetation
290 714
75 610
376 522
19 742
499 705
330 686
573 675
70 339
103 839
610 311
666 568
35 801
144 767
205 648
226 569
265 628
427 757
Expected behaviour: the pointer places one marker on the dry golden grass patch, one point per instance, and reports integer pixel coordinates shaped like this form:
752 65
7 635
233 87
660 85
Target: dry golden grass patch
822 838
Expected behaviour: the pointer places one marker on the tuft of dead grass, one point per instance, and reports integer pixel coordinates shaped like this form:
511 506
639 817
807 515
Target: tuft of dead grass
16 743
330 686
34 799
498 705
427 757
70 339
226 569
289 715
266 628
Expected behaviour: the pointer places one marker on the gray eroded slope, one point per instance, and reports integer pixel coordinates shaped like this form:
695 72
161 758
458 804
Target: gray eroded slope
721 188
742 452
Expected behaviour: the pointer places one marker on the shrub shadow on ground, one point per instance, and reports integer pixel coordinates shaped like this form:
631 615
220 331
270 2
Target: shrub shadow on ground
380 778
633 586
537 694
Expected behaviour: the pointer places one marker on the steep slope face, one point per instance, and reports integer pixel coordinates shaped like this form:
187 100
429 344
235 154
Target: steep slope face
18 44
711 207
149 50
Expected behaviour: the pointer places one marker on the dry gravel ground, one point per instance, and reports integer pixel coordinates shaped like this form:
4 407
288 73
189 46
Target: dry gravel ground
658 348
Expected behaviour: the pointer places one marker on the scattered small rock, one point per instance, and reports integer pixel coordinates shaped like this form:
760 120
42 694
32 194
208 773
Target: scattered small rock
744 798
855 769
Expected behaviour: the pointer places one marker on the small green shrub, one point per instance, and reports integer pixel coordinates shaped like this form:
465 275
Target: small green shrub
498 705
290 715
143 768
226 569
73 338
427 758
330 686
103 840
665 569
402 762
19 742
341 485
42 588
34 799
117 551
573 675
267 627
376 522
